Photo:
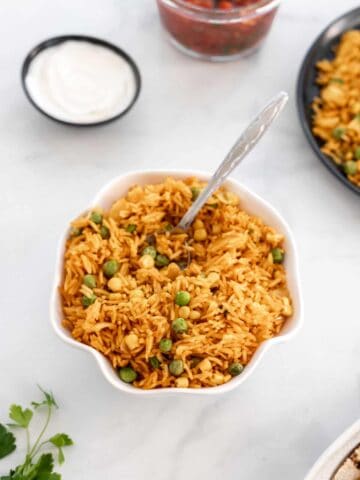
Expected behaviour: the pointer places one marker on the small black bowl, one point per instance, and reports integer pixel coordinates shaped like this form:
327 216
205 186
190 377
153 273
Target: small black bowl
51 42
307 89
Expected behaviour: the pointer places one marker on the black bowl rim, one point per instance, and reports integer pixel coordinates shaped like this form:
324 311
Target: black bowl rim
51 42
327 161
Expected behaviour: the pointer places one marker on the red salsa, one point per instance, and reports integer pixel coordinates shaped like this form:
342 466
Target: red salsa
218 28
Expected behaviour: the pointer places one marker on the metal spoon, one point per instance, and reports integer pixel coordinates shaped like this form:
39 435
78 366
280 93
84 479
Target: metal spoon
242 147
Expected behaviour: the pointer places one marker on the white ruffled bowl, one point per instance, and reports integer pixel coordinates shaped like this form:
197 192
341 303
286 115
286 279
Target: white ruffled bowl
251 203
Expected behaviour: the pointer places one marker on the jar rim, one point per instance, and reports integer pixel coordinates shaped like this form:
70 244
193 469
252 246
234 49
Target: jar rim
259 7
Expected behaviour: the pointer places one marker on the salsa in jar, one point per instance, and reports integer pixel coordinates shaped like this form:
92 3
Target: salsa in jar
217 29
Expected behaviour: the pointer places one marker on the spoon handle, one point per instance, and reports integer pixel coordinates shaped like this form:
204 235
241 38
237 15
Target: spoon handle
242 147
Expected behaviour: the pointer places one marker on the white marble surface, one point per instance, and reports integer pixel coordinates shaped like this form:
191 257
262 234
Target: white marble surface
305 392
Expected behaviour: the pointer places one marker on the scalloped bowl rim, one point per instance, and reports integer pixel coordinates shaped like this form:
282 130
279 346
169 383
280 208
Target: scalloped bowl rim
117 187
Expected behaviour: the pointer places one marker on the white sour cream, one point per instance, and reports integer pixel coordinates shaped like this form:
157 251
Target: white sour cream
80 82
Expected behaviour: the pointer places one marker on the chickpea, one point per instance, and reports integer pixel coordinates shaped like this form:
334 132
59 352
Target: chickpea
184 312
218 378
198 224
147 261
173 270
213 277
115 284
182 382
132 341
200 235
205 365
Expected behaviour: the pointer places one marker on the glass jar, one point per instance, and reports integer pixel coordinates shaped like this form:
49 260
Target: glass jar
214 34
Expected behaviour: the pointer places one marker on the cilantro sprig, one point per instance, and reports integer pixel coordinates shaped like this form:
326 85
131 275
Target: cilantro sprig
36 465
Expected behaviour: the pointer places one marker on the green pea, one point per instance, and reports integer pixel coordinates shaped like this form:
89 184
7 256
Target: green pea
161 260
350 168
338 132
150 250
235 369
357 153
75 232
110 268
168 227
131 228
195 192
96 217
154 362
104 232
182 298
165 345
213 205
127 374
176 367
278 255
88 300
179 325
89 281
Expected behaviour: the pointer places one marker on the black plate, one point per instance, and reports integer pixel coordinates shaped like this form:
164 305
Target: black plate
307 90
51 42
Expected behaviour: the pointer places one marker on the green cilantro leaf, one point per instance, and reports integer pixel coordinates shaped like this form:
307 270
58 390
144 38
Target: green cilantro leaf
7 442
35 466
45 464
61 440
14 475
21 417
61 456
48 400
41 470
43 467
